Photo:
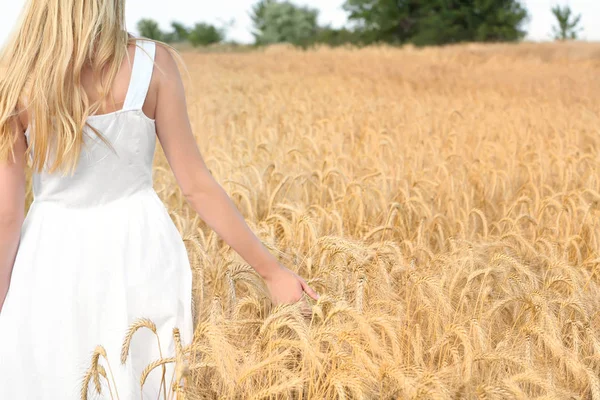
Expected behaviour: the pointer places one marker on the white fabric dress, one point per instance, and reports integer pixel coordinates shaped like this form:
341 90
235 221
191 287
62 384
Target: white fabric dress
98 250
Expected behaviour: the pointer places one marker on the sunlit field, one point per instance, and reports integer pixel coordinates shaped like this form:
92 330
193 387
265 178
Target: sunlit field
444 202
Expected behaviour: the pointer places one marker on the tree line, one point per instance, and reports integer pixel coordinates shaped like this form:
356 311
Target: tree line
420 22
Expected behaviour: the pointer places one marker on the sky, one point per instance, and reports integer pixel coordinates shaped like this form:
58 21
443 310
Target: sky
331 12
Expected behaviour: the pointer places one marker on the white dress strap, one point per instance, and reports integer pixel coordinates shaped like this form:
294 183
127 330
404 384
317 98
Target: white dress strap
141 75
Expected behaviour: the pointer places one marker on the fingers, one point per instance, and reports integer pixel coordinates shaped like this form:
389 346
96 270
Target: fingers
310 291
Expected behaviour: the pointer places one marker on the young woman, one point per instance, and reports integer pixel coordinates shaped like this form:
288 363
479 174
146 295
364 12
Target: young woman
83 101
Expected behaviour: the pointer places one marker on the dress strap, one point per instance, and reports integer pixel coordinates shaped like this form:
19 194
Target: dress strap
141 74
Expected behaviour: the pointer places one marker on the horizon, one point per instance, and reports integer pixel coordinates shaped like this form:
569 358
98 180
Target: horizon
539 28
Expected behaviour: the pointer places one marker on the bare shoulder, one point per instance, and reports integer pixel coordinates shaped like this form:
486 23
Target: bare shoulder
167 65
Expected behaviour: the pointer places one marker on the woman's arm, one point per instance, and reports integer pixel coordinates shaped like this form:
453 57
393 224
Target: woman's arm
12 208
204 193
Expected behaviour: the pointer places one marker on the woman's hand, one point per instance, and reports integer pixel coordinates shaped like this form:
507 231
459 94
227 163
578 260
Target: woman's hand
287 287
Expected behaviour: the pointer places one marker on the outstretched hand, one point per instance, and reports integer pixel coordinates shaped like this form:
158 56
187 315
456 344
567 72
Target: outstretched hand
287 287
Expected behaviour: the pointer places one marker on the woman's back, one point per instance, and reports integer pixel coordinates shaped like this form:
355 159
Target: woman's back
118 92
106 174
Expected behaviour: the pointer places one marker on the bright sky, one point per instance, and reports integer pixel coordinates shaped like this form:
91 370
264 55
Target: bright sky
221 11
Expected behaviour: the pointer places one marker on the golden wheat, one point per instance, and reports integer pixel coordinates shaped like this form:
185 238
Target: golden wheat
443 201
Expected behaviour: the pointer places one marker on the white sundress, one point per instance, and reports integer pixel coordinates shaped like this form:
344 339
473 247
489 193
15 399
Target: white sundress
98 250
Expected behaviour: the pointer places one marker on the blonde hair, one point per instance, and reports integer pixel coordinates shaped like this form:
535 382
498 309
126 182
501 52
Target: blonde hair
45 57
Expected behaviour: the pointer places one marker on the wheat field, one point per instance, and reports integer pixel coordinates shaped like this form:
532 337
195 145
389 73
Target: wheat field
443 201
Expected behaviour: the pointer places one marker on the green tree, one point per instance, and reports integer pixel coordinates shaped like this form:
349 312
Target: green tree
257 15
205 34
335 37
180 32
437 21
278 22
471 20
148 28
391 21
568 24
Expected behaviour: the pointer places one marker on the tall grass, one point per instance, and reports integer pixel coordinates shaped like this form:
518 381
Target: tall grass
443 201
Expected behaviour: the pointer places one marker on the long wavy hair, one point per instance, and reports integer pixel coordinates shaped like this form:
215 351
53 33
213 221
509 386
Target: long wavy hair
44 58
